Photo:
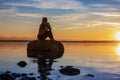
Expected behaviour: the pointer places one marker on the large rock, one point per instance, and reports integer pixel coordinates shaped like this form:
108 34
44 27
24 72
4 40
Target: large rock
69 70
49 49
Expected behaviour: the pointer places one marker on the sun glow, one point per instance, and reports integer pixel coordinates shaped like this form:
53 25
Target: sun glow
117 35
118 50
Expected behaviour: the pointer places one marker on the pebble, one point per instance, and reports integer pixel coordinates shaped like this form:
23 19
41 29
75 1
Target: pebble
22 64
90 75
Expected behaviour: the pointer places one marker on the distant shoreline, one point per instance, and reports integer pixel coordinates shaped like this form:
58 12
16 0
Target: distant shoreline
82 41
15 40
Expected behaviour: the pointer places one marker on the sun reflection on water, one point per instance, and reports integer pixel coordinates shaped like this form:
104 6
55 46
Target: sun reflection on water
118 50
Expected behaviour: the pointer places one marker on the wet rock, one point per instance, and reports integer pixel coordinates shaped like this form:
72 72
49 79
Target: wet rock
38 77
7 72
25 78
23 74
61 66
69 70
32 78
22 63
90 75
16 75
58 77
6 77
31 73
49 49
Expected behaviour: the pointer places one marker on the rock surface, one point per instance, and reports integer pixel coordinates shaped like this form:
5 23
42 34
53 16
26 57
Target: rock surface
90 75
22 63
69 70
6 77
16 76
49 49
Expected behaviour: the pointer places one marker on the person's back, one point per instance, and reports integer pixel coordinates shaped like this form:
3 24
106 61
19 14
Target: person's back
45 30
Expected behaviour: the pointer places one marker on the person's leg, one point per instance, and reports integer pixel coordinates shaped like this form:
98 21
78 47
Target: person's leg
50 35
42 37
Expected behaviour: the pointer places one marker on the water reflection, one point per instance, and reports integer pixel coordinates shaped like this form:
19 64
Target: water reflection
44 57
100 56
44 66
118 50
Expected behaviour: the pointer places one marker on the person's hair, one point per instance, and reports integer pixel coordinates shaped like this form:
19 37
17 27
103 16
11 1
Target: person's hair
44 19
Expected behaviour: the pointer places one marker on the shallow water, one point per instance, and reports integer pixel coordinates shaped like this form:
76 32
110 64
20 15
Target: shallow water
98 59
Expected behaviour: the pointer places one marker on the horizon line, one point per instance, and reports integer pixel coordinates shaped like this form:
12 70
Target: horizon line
70 41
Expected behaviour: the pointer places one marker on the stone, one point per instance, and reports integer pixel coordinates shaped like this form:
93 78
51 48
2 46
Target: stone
49 49
6 77
24 74
16 75
61 66
90 75
38 77
32 78
22 64
31 73
25 78
69 70
7 72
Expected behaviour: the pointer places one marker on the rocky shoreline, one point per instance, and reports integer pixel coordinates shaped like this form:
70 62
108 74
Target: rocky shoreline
67 70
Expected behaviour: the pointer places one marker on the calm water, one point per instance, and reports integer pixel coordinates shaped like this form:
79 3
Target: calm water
90 58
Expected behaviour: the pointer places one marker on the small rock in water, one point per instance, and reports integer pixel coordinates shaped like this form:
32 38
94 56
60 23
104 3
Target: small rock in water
24 74
90 75
32 78
16 75
38 77
69 70
7 72
58 77
61 66
22 63
6 77
25 78
31 73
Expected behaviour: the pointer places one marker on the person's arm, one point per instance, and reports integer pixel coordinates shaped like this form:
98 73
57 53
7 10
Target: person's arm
49 27
41 29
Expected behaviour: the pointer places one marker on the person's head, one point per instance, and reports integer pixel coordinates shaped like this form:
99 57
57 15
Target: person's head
44 19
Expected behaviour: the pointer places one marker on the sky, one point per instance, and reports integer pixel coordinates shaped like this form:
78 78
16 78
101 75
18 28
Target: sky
69 19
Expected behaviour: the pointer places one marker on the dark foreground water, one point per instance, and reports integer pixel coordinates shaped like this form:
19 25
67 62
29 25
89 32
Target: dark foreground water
101 60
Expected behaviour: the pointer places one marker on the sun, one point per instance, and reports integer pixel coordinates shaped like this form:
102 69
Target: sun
117 35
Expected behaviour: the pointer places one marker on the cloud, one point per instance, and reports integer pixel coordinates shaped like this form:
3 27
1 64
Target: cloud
7 11
21 4
111 14
13 12
112 23
51 4
100 5
104 7
71 28
70 17
99 23
117 0
29 15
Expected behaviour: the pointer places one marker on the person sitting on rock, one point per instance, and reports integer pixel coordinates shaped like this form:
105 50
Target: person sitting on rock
45 30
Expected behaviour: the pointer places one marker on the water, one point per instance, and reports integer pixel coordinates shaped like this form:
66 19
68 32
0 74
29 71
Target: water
102 60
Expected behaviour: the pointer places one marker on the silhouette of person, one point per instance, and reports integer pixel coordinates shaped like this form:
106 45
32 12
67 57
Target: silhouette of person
45 30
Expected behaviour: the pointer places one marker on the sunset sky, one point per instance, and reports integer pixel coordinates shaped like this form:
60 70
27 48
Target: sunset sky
70 19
